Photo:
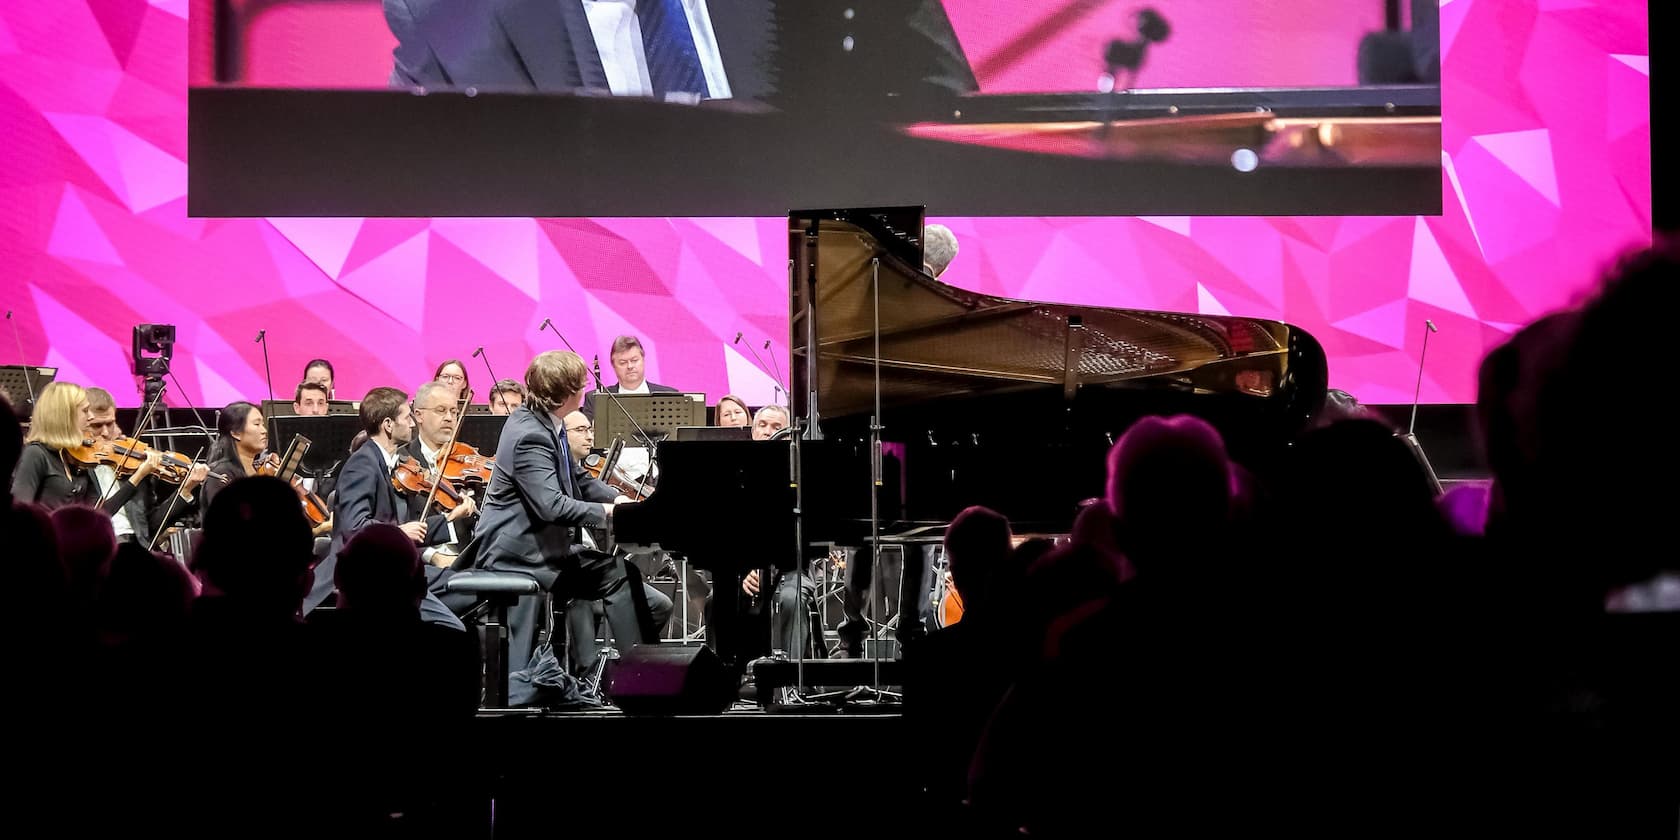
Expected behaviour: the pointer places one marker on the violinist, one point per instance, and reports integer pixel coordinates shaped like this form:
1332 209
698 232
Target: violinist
133 520
365 494
241 435
48 474
792 603
435 416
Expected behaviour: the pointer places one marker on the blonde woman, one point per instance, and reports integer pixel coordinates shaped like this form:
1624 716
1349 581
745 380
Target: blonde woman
46 474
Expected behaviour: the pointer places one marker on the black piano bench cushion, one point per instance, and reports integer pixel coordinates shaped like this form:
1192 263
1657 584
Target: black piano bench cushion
492 583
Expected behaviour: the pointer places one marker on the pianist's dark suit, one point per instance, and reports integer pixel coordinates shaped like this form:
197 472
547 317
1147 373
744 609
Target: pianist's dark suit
782 52
365 494
537 501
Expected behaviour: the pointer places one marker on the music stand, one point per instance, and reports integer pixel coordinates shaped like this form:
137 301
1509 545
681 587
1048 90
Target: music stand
21 382
657 414
482 431
478 408
330 436
712 433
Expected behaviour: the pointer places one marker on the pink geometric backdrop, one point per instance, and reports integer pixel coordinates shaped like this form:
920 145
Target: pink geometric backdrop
1546 177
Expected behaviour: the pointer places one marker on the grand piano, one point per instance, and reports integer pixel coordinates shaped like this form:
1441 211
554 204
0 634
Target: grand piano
986 400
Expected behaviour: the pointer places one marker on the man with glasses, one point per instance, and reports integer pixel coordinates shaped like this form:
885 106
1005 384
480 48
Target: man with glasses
435 415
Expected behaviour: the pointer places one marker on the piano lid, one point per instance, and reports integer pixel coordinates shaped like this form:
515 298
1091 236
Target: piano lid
939 342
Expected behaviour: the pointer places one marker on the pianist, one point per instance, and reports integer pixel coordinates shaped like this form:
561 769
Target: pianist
538 501
778 52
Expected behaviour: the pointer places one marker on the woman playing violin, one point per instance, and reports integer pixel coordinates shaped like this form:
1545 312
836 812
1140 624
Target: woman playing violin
49 473
241 435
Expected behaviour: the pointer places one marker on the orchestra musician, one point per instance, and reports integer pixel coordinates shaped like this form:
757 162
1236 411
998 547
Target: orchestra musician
47 475
241 435
629 364
732 411
505 396
537 503
134 520
310 400
454 374
790 606
320 371
366 494
435 416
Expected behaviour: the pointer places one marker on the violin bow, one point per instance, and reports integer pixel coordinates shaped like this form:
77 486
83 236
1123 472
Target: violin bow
174 499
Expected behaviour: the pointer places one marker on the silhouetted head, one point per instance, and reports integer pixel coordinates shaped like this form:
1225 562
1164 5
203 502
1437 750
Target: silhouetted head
977 544
1169 479
145 596
257 545
1358 481
86 544
379 570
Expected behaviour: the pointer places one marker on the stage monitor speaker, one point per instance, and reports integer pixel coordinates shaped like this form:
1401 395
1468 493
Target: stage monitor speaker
671 680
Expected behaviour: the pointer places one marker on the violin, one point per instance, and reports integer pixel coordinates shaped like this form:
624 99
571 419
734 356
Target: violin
127 454
268 463
950 605
411 476
465 465
621 481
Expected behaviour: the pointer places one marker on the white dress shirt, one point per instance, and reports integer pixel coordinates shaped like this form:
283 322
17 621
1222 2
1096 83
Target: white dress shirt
431 456
618 37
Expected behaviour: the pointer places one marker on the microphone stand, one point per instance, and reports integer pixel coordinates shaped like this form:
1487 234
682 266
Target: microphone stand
653 451
781 387
1410 437
27 381
262 338
492 371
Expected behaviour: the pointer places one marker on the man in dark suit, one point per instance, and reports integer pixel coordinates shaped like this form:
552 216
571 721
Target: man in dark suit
538 501
787 53
134 520
365 494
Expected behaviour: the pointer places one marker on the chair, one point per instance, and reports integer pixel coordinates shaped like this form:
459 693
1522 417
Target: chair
496 592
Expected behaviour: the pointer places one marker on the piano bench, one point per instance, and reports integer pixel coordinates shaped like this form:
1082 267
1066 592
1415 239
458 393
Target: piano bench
496 592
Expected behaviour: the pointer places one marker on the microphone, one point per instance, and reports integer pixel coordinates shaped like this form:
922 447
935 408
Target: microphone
545 325
262 338
781 387
480 354
1430 324
28 381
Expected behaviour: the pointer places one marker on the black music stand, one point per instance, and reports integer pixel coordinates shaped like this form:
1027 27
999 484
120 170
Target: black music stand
482 431
329 436
712 433
21 382
657 414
